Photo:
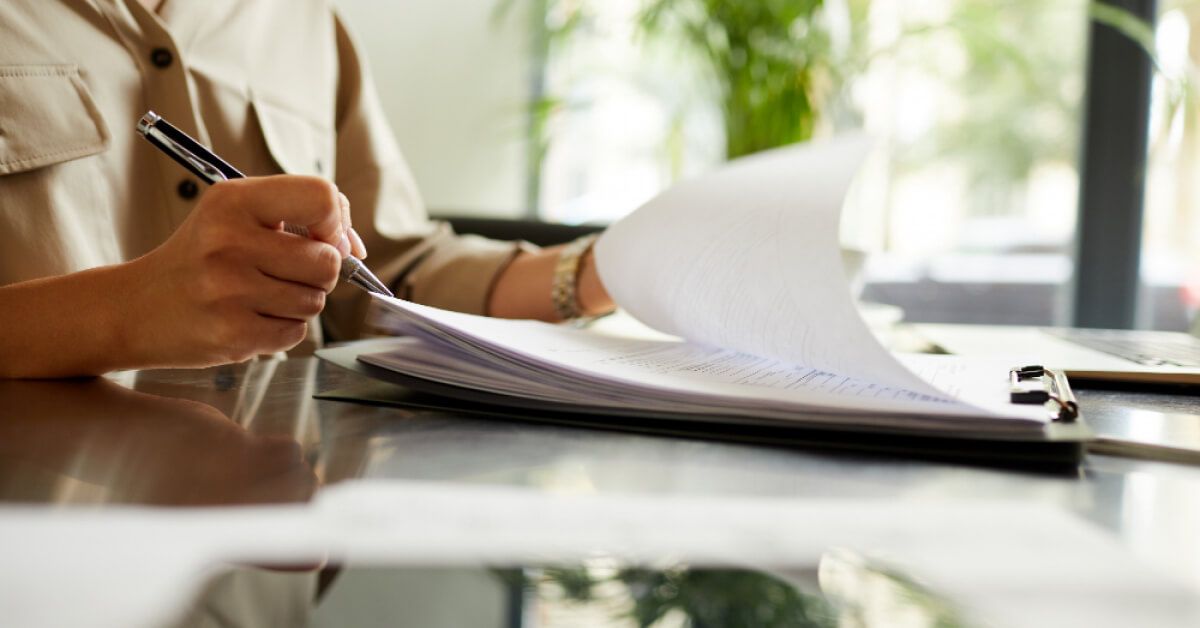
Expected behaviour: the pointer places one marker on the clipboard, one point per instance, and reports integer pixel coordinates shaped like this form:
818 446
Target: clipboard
1038 385
1058 446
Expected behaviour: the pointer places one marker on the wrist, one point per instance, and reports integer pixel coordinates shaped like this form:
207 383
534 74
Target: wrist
576 289
132 342
593 298
73 325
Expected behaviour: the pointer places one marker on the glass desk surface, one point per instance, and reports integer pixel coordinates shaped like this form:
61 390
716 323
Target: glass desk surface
841 589
254 434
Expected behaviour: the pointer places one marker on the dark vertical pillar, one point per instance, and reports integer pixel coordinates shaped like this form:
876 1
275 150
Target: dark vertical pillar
1112 174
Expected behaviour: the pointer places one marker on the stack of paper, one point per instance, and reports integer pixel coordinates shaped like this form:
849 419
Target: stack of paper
744 267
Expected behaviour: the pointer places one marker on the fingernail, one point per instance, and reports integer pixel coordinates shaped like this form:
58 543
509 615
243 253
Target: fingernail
343 245
360 249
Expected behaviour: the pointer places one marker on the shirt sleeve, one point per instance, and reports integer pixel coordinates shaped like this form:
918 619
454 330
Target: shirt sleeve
423 260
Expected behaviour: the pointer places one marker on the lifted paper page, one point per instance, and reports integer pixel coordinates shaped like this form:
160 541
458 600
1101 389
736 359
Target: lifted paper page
747 258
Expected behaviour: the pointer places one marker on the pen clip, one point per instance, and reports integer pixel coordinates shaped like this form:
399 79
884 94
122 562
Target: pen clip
188 152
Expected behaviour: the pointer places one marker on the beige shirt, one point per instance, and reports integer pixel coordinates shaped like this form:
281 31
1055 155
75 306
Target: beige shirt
274 86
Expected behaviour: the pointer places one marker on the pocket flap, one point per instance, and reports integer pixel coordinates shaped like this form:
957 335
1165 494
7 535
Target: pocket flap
297 145
47 116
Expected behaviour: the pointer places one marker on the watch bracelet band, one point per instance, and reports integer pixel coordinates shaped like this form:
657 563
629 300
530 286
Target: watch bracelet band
565 288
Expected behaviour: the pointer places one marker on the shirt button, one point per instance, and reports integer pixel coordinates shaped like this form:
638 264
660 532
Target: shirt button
187 189
161 57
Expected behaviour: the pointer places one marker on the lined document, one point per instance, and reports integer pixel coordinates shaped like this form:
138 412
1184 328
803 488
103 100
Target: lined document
744 268
573 366
748 258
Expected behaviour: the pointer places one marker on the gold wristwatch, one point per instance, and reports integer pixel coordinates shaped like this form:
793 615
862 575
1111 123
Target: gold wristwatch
565 289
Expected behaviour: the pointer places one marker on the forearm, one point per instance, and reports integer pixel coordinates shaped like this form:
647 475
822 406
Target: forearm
66 326
523 289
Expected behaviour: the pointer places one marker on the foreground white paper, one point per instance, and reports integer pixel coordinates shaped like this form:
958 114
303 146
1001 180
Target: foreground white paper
1007 563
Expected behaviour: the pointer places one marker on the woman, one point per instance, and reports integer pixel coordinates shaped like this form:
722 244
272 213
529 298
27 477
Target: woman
112 257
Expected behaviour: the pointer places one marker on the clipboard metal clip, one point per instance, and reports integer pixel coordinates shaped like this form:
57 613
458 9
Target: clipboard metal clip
1051 386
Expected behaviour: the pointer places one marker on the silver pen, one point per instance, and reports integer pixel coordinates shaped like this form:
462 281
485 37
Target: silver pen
208 166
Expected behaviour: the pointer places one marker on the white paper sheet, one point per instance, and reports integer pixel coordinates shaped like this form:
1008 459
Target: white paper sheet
747 258
744 265
557 363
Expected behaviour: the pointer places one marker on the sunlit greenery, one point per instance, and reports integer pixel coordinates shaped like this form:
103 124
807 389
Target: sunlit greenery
779 70
769 60
765 57
737 598
1019 89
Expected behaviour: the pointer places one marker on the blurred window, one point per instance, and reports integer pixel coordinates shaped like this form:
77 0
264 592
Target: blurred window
969 209
1171 233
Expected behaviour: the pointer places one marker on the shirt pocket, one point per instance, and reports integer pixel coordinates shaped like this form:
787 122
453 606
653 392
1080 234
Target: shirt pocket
47 116
296 144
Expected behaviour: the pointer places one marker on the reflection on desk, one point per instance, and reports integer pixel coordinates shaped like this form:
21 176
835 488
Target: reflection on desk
841 589
95 441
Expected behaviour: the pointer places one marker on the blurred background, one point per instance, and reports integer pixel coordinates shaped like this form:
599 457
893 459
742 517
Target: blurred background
577 111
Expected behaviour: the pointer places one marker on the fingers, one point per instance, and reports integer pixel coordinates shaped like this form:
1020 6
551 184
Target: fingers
287 300
296 259
235 285
275 334
357 248
309 202
239 335
304 201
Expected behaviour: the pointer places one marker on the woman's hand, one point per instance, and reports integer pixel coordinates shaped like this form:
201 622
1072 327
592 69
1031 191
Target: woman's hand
227 285
230 283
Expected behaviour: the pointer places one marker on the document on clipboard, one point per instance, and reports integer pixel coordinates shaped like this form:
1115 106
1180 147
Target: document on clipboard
741 273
